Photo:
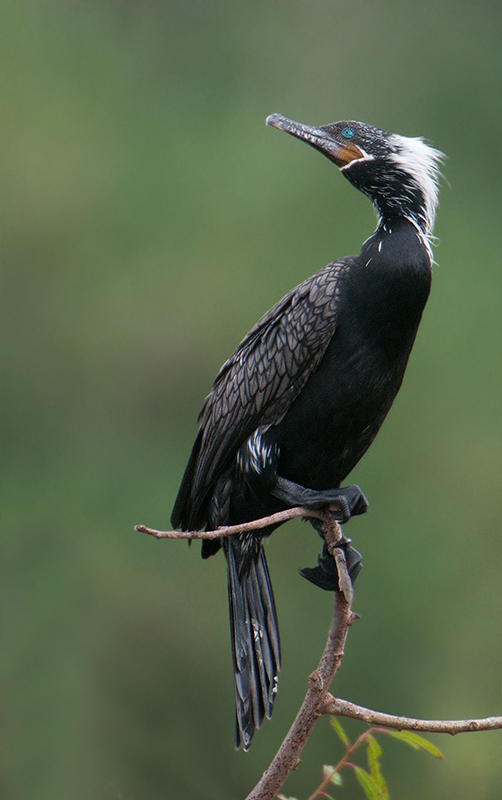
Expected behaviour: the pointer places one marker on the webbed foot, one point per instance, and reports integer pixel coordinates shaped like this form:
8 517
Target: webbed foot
343 503
325 575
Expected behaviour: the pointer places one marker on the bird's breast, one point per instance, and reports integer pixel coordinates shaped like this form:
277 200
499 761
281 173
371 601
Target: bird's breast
338 413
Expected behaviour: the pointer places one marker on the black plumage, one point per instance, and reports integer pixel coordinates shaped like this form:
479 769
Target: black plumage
305 393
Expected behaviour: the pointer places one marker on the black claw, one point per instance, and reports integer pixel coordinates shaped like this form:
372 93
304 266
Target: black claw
353 558
340 510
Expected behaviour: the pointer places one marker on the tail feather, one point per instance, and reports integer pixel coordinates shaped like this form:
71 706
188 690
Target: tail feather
255 640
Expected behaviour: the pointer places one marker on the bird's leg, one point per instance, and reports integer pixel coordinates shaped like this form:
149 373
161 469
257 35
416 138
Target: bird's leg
342 503
325 575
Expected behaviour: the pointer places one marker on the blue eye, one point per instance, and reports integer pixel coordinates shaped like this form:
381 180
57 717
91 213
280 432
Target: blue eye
348 133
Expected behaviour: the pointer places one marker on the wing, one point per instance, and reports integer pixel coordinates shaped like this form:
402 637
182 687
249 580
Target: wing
258 383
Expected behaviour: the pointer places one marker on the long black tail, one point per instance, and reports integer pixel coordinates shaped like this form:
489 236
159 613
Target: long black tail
255 639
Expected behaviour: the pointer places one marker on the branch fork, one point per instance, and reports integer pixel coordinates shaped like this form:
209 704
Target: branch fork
318 700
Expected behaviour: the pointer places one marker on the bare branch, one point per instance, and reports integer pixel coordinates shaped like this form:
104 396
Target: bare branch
343 708
288 755
318 700
229 530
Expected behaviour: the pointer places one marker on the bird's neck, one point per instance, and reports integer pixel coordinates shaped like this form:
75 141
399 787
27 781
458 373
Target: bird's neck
408 206
397 242
396 194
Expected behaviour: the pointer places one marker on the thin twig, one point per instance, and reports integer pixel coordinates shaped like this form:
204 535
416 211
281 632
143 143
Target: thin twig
350 749
228 530
343 708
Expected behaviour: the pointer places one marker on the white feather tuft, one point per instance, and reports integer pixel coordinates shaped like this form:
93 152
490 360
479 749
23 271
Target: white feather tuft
421 163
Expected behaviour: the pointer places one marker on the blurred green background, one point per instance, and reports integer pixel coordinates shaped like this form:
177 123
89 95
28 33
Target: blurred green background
149 219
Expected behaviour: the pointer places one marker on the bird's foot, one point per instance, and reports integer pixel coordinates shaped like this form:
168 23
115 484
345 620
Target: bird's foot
342 504
325 575
349 501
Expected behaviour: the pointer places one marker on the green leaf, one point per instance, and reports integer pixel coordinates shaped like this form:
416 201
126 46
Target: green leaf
337 727
371 789
374 747
374 753
329 772
417 742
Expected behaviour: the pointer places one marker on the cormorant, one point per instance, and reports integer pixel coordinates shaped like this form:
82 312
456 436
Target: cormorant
300 401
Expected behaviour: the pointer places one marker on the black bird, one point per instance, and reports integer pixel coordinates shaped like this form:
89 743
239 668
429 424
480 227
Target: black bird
300 401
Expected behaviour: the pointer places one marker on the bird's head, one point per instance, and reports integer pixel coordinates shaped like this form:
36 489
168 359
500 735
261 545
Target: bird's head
399 174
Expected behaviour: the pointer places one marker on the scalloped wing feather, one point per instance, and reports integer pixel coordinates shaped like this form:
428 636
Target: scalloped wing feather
258 383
